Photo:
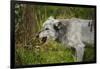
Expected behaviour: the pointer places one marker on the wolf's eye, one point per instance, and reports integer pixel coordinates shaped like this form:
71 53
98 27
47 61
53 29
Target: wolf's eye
46 28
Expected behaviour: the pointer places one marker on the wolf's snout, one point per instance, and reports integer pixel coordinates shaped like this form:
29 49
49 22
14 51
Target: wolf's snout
37 35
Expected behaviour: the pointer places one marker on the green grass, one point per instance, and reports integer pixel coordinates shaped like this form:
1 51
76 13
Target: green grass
89 52
50 52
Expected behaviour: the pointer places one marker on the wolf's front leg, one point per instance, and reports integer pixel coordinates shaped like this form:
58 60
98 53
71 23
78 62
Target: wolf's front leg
79 52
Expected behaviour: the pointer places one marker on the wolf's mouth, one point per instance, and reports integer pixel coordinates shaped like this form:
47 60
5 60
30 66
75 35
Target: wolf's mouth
44 39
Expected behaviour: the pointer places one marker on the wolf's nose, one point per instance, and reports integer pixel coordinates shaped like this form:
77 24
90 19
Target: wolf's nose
37 35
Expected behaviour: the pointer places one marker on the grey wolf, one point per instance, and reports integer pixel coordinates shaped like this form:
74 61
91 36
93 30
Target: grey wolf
70 32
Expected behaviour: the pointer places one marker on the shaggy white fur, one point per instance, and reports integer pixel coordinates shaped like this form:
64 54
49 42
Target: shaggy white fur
70 32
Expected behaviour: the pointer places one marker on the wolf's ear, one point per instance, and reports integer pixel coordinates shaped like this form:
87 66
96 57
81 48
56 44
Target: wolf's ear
59 23
57 26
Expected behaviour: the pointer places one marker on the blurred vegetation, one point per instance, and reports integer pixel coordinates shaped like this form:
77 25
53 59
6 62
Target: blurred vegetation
28 22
